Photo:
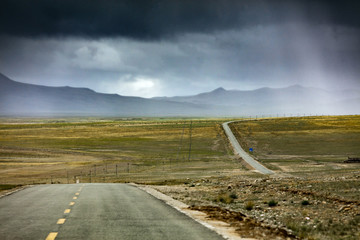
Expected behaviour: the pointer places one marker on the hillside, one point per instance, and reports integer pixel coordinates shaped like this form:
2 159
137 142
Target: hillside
32 100
295 99
26 99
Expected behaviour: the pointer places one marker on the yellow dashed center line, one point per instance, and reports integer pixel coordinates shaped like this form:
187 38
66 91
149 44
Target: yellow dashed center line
61 221
51 236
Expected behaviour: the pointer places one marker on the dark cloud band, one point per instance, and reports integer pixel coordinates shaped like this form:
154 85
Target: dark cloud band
154 19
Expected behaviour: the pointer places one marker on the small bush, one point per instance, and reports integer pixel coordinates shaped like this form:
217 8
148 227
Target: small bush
272 203
249 205
305 202
225 198
233 196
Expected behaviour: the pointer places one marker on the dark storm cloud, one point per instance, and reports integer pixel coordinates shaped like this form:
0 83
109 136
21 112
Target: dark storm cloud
156 19
168 47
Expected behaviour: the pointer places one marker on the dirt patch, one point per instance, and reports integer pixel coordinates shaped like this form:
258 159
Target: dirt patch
245 226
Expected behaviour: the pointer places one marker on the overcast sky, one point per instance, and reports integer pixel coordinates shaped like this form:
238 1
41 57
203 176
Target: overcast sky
167 47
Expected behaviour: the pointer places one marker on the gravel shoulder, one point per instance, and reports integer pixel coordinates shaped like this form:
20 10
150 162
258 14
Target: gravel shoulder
302 209
222 228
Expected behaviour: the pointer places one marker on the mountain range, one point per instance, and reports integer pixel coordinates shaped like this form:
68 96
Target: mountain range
295 99
21 99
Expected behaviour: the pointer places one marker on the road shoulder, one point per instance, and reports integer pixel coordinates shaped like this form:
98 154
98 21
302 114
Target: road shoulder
5 193
222 228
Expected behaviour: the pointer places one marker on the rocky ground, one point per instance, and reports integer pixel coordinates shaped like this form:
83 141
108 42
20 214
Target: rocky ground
278 207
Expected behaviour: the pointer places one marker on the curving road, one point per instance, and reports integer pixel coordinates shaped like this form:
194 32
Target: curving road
239 151
93 211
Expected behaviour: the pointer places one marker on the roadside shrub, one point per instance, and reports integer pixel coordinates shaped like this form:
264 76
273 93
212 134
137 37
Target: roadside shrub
305 202
225 198
233 196
272 203
249 205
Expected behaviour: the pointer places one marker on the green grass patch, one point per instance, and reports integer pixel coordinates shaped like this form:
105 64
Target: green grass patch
7 186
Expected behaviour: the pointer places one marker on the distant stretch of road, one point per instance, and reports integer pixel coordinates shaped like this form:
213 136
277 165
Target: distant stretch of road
244 155
93 211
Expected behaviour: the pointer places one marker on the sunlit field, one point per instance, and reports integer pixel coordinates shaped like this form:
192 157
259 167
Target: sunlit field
112 150
303 145
169 150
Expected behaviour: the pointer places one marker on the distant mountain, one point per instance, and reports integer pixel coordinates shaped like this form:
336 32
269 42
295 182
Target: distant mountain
294 99
27 99
33 100
220 96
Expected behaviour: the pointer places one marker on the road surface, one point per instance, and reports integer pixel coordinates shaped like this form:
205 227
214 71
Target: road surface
239 151
93 211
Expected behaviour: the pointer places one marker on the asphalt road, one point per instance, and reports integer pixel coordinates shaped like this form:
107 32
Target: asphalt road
93 211
244 155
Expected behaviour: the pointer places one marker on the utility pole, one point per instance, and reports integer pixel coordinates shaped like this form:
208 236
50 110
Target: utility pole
181 141
116 171
190 140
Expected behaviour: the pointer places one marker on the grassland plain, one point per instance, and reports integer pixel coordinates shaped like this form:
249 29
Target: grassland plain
314 195
308 145
112 150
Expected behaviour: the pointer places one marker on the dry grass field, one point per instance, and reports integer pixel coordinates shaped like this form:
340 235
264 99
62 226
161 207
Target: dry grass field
151 151
313 195
303 146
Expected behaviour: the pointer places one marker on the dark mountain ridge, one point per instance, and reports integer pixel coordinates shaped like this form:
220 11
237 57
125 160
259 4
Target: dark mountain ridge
33 100
293 99
27 99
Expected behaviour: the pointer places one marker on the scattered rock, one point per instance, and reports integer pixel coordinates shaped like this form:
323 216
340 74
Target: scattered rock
341 208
